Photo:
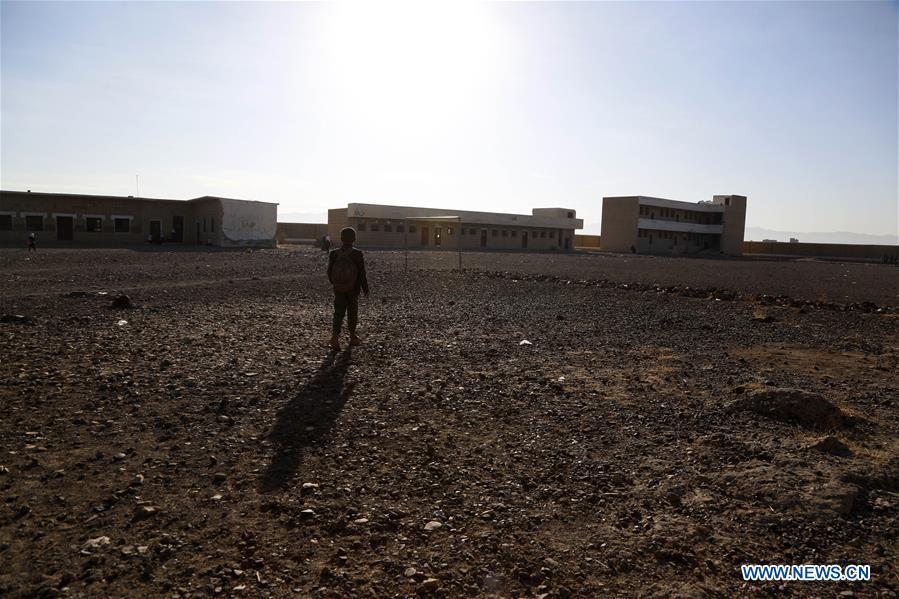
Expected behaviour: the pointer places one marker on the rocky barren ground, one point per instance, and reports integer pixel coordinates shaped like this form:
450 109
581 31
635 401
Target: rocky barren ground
667 421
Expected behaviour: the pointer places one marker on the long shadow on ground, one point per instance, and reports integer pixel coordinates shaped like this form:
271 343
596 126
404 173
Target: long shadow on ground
307 420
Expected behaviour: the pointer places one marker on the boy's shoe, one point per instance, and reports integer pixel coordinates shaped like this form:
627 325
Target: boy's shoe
335 343
354 340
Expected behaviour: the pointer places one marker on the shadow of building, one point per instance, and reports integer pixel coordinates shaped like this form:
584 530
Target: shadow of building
307 420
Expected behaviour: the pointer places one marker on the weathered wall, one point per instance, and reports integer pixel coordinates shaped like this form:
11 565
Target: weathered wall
206 221
452 236
139 211
619 223
247 223
586 241
822 250
734 221
300 231
337 219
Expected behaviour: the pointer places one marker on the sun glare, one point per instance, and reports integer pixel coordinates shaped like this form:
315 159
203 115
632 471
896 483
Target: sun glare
414 63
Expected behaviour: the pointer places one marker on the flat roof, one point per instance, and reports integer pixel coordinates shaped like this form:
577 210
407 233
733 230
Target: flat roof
63 195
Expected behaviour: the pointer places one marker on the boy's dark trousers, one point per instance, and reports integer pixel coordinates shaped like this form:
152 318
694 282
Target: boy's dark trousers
345 303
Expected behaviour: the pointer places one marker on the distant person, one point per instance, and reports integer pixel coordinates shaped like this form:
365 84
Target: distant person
346 271
633 250
326 242
32 243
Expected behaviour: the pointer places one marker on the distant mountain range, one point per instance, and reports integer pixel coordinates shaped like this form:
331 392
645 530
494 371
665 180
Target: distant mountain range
760 233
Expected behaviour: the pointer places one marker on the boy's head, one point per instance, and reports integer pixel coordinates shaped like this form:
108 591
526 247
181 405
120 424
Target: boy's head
348 235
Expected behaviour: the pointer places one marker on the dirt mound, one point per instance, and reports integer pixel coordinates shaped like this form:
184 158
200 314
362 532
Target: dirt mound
793 406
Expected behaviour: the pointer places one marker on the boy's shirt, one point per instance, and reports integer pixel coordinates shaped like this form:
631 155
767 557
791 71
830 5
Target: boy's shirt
359 261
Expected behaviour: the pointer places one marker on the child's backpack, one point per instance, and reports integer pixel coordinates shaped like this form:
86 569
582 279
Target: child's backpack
344 272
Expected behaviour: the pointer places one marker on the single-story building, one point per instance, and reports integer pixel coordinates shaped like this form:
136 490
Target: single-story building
68 220
438 228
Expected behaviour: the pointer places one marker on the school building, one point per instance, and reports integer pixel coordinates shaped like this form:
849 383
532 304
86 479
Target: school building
648 225
70 220
436 228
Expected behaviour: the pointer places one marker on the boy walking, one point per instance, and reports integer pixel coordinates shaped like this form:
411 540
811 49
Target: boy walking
346 271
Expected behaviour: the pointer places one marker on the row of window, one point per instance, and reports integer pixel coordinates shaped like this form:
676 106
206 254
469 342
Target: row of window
389 228
689 216
91 224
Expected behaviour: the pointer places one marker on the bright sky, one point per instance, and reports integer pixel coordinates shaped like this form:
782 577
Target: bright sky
497 106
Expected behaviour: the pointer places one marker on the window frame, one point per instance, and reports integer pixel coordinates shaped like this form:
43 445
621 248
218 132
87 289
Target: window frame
87 224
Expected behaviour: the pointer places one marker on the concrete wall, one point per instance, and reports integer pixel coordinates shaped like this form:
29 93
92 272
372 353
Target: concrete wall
302 232
734 223
337 219
586 241
824 250
248 223
203 220
139 213
423 234
619 223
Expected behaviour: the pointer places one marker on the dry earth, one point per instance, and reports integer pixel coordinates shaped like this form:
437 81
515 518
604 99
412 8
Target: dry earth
204 442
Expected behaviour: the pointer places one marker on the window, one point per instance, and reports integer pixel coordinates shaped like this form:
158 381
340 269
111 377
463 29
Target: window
543 234
505 233
514 233
122 225
375 227
494 232
5 222
652 215
650 240
552 234
571 215
472 232
212 225
204 224
34 223
449 230
727 201
401 228
93 224
412 228
388 228
360 227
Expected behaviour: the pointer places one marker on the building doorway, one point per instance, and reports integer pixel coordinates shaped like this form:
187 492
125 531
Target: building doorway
437 236
65 228
198 232
567 243
178 228
155 231
424 236
524 240
483 238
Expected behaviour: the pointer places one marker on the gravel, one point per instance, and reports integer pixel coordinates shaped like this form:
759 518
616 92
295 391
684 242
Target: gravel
213 443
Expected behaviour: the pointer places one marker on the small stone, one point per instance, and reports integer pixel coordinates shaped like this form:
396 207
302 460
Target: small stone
433 525
96 542
360 521
216 497
119 457
307 514
121 302
138 480
219 477
145 511
429 585
410 572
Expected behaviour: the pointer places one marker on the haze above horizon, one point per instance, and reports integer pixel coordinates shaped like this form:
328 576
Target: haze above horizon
476 106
